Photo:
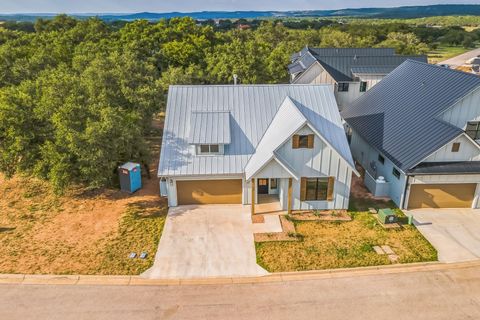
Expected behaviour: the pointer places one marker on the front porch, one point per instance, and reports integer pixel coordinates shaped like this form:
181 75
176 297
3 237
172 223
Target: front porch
272 196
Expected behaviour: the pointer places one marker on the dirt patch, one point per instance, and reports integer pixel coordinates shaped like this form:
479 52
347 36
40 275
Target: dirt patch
320 215
288 233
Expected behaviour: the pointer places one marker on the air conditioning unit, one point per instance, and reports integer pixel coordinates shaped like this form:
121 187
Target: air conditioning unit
387 216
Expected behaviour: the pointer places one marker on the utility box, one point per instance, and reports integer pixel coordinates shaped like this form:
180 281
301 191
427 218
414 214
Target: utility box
130 177
387 216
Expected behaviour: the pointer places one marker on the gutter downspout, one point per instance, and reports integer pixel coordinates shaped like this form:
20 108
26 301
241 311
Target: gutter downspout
405 191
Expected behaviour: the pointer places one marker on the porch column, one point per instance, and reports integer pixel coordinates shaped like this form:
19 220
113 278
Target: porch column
253 196
289 202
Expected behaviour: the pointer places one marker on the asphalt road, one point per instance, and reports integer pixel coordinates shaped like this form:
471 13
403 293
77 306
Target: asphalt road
461 59
445 294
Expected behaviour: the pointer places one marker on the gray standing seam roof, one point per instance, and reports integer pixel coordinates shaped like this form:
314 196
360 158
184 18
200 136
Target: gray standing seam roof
209 127
252 109
400 116
343 63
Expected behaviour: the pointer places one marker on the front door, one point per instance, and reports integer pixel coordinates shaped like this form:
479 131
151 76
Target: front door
262 186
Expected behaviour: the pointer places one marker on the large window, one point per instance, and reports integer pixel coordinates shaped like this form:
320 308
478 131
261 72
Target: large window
317 189
473 130
343 86
209 149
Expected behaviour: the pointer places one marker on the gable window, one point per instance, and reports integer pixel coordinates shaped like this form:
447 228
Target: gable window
209 149
473 130
456 147
396 173
343 86
381 159
303 141
317 189
363 86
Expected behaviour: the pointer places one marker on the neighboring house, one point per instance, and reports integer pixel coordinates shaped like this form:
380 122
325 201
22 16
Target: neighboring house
353 71
225 144
419 128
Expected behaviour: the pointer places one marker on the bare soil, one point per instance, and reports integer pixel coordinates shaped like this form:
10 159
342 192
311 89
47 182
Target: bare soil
41 232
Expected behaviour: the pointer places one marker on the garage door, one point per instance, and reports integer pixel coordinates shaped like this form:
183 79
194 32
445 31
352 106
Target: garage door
441 196
209 192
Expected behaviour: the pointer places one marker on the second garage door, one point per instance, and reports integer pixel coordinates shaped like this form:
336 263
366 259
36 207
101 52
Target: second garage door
209 192
441 195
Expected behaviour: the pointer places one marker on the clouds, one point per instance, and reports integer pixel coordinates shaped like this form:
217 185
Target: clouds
124 6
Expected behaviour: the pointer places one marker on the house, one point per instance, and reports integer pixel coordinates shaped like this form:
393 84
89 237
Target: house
230 144
417 134
353 71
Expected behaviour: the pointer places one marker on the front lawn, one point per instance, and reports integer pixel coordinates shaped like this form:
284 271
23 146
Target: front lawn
327 245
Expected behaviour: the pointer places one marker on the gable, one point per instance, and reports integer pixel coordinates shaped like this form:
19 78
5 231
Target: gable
469 151
315 74
467 109
273 170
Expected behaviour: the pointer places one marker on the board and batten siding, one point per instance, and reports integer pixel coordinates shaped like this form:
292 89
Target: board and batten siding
467 109
321 161
316 74
468 152
366 154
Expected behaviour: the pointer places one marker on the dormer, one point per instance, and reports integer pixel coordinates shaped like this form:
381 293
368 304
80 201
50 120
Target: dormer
210 132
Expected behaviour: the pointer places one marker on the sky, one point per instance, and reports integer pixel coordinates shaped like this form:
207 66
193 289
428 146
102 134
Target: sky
127 6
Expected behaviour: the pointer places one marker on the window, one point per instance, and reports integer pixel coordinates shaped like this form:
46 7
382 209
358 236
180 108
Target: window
302 141
396 173
317 189
209 149
363 86
343 86
381 159
456 147
473 130
273 183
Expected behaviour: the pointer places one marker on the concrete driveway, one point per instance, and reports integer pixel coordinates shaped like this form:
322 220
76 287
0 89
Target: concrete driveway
455 233
206 241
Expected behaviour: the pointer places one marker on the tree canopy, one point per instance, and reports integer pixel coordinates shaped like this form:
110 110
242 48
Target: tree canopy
77 97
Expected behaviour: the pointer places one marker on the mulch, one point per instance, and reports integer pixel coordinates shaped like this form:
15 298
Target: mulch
288 233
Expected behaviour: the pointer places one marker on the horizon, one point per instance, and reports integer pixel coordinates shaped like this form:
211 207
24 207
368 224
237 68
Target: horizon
66 7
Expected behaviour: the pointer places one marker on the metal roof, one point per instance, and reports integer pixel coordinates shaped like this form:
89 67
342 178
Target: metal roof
380 70
209 127
400 116
341 63
426 168
252 109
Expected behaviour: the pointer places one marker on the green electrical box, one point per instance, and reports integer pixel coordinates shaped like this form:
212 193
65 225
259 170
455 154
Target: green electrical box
387 216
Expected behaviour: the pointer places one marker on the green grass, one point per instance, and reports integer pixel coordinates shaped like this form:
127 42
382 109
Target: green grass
328 245
139 231
445 52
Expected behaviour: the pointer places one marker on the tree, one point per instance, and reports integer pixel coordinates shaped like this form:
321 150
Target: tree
404 43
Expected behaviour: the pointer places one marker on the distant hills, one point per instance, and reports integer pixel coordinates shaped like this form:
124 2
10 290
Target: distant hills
397 12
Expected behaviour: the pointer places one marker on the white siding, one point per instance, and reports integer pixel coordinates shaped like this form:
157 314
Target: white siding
467 109
346 98
468 152
321 161
365 155
371 80
273 170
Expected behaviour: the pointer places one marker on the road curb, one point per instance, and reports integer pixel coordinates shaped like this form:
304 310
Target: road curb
26 279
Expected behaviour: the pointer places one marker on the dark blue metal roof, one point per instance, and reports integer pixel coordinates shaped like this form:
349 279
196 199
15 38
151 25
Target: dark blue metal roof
400 116
342 63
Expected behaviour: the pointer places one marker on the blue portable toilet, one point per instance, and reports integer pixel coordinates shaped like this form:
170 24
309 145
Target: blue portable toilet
130 177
